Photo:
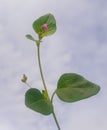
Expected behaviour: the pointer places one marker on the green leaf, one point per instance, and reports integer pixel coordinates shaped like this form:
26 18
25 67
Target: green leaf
72 87
35 101
30 37
45 25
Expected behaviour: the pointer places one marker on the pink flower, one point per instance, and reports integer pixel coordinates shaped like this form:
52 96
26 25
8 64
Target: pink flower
45 27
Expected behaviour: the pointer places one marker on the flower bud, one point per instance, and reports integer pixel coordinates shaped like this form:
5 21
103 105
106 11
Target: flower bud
45 27
24 79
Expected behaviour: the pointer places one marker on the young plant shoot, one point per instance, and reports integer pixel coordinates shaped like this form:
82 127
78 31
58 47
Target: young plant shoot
71 87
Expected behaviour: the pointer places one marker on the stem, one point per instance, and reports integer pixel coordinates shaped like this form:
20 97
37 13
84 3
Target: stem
28 85
53 96
44 84
40 68
56 121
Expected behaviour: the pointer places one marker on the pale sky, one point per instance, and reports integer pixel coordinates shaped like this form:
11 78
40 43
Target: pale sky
79 46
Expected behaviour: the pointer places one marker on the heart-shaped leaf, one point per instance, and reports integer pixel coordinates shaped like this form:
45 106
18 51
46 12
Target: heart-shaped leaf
36 101
72 87
45 25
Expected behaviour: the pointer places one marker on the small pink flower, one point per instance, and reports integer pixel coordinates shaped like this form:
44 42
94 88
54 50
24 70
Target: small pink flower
45 27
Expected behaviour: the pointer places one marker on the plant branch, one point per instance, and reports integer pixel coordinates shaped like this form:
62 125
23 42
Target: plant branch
44 84
40 68
53 96
56 121
28 85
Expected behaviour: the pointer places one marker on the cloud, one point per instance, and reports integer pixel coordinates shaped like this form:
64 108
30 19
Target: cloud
79 45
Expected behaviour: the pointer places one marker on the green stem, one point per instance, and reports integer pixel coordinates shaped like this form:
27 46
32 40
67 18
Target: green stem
53 96
40 68
28 85
44 84
56 121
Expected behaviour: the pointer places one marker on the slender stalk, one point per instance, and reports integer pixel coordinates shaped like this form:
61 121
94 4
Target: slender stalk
40 68
56 121
53 96
44 84
28 85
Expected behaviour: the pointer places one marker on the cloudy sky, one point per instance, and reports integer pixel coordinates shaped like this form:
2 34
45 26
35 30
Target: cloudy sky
79 45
